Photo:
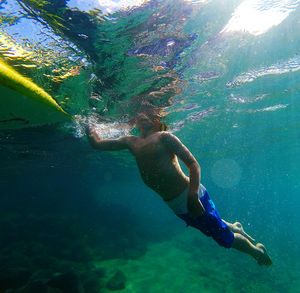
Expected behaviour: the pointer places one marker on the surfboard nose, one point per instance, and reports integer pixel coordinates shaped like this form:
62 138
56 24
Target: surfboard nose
25 104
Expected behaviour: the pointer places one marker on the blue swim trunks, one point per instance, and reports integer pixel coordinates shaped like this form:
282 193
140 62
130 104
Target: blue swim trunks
210 223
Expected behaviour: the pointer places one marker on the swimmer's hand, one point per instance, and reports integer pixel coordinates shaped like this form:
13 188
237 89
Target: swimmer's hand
92 133
194 206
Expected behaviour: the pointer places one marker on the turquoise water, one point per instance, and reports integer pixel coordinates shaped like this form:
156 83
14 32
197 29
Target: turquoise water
225 75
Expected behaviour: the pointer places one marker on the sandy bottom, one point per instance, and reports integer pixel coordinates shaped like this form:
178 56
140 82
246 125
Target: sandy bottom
193 263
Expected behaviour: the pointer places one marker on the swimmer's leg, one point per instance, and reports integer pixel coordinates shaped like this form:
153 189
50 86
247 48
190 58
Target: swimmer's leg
238 228
258 251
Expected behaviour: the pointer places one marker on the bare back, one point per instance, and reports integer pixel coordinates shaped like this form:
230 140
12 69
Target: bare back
159 166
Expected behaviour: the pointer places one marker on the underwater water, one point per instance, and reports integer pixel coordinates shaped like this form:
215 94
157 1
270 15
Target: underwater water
224 74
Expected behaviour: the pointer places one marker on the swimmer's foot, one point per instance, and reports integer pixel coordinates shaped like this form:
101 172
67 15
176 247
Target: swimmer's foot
238 228
263 258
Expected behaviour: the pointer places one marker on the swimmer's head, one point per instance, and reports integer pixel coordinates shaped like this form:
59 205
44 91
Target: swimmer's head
146 122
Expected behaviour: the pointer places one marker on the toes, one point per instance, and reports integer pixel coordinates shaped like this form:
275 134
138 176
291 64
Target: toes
265 258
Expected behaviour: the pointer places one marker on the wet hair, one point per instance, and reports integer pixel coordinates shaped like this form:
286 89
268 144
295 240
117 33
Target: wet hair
155 117
163 127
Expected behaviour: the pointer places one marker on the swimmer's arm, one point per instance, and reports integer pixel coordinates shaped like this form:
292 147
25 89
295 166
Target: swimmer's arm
97 142
175 146
182 152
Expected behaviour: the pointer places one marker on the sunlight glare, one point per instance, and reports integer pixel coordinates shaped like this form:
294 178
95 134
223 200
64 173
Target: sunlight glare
256 18
110 6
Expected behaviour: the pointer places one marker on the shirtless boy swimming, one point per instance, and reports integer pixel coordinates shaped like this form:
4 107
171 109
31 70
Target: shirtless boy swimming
156 153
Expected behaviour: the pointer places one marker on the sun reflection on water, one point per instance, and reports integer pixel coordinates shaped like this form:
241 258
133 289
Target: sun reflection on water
258 16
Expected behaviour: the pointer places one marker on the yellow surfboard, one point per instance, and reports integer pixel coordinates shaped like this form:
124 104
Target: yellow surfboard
23 103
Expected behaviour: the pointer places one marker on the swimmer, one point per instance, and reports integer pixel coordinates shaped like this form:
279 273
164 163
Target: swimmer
156 152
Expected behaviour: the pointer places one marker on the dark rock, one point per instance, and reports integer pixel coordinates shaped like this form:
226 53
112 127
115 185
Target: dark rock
99 272
13 278
93 280
92 285
66 282
35 287
117 281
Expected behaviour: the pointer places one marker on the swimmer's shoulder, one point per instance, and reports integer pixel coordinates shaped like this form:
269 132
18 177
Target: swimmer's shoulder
167 137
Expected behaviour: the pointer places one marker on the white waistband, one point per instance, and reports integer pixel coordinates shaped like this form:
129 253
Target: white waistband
179 203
